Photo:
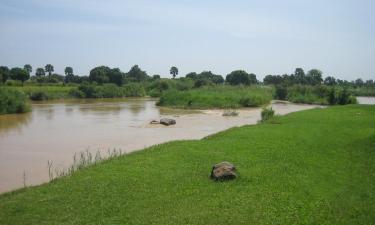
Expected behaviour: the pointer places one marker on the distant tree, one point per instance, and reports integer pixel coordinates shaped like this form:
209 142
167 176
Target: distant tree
100 74
192 75
241 77
4 74
299 76
330 81
136 74
49 69
359 82
19 74
272 79
369 82
39 72
314 77
156 77
116 76
68 71
173 71
28 68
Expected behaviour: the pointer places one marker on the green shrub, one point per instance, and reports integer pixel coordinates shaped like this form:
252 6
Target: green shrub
38 96
267 113
108 91
12 101
281 92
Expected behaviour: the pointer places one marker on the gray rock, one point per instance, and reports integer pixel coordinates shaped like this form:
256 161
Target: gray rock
223 171
154 122
167 122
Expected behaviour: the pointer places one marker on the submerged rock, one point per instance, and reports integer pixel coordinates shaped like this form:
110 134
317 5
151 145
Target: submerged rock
223 171
230 113
167 122
154 122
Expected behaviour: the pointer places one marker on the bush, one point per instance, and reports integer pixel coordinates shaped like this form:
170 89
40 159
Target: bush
12 101
38 96
87 90
267 113
281 92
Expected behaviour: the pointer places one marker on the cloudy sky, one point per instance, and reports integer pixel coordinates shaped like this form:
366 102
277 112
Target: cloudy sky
261 36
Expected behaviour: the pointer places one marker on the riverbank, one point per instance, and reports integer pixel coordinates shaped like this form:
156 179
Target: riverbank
124 124
314 166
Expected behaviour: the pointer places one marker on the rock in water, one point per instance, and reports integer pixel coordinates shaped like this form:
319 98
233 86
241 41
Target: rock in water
223 171
167 122
154 122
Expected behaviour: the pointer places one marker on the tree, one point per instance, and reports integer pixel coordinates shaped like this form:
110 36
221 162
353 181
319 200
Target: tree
173 71
359 82
4 74
299 76
314 77
156 77
116 76
272 79
136 74
49 69
40 72
19 74
241 77
100 74
28 68
68 71
192 75
330 81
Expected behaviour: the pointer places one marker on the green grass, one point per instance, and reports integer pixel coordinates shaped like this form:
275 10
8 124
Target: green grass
217 97
310 167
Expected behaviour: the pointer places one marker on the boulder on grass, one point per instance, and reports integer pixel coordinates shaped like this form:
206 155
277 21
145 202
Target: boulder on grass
223 171
167 122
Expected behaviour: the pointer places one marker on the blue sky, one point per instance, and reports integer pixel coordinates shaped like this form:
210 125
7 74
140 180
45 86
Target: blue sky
263 37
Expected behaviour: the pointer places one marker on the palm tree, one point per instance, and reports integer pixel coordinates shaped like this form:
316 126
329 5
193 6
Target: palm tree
28 68
49 69
174 71
68 70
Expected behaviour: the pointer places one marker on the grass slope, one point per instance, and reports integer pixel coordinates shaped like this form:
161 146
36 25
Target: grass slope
310 167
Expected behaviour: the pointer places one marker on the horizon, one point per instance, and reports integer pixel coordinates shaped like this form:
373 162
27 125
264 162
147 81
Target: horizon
259 37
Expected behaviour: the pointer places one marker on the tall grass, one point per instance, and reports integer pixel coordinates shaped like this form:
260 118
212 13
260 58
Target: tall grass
321 94
12 101
46 92
217 97
108 91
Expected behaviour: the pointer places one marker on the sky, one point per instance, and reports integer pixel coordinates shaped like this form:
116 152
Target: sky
261 36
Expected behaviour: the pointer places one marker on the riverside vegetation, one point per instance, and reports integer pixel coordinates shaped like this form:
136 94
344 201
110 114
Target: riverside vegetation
195 90
310 167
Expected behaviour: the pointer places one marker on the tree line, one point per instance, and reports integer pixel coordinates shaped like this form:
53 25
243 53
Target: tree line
312 77
105 74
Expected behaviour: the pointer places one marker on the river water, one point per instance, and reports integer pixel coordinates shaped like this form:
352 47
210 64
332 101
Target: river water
56 130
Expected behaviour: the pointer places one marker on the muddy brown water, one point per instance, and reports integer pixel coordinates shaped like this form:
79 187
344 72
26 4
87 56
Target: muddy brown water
56 130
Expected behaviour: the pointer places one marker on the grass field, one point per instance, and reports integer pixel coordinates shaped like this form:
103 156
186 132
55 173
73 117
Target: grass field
310 167
217 97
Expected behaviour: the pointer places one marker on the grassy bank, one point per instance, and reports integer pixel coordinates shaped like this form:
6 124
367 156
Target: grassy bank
12 101
310 167
217 97
45 92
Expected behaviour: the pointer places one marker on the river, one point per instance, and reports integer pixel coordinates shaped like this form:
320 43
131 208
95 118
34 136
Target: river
56 130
